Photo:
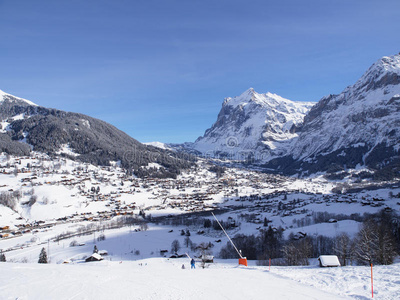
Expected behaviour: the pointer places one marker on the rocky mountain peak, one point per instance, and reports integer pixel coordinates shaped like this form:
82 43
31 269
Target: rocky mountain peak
358 127
253 121
383 73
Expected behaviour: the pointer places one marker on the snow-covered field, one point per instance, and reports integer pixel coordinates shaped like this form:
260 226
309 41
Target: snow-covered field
134 269
350 281
161 278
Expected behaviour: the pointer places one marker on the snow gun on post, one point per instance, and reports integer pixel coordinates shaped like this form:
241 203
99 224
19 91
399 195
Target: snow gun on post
242 260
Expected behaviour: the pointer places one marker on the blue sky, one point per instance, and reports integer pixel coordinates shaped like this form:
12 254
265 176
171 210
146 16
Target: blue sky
159 70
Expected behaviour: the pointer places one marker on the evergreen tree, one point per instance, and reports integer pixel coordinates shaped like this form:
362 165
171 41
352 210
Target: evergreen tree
207 223
43 257
271 242
175 246
2 257
95 250
188 242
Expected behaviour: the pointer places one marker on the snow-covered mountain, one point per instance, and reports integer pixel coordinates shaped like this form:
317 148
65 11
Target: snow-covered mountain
360 126
25 126
253 122
5 97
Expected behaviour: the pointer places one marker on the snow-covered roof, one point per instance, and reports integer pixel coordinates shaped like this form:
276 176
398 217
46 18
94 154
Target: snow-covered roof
96 256
329 261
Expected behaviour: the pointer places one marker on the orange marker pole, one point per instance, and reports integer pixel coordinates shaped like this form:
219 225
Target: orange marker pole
372 283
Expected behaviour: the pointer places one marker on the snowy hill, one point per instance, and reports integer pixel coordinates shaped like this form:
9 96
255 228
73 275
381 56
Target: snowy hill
253 122
150 279
360 126
164 279
25 126
4 97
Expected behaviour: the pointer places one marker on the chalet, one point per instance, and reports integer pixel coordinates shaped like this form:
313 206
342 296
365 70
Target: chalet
299 235
94 257
207 258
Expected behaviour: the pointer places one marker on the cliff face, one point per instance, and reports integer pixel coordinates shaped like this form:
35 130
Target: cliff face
360 126
253 122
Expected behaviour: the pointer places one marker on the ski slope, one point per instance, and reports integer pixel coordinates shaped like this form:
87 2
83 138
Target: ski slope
162 278
148 279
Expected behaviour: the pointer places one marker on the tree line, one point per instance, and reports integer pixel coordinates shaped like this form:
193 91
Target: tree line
377 242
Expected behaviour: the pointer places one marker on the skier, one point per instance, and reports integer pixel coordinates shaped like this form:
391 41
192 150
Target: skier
192 264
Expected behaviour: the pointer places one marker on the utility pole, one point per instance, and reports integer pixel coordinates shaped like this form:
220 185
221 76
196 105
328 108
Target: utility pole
48 250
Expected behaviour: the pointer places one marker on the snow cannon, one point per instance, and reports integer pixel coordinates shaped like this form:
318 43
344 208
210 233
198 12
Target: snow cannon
242 260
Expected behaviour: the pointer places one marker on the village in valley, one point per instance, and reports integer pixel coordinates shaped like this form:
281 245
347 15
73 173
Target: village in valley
73 213
40 193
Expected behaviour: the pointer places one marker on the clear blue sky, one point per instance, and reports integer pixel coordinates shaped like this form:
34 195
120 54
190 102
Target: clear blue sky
159 70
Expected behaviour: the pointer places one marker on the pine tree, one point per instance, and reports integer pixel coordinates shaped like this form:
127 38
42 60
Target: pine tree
95 250
43 257
2 257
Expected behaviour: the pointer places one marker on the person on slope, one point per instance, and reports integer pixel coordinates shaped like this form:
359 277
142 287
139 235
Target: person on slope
192 264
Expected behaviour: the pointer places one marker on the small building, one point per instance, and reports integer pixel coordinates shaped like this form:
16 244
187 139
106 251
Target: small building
207 258
328 261
94 257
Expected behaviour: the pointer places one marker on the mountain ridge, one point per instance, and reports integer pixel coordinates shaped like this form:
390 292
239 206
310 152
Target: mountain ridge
26 126
252 121
358 127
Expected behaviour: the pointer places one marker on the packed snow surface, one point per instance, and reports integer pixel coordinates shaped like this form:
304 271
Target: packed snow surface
160 278
148 279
